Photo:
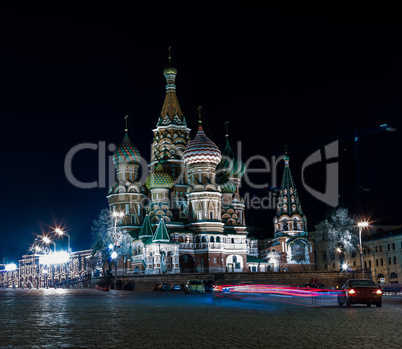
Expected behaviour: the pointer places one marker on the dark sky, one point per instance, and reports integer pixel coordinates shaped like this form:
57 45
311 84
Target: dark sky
295 76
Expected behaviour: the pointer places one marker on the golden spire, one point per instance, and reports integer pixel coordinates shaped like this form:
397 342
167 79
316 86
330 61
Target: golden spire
170 56
126 119
199 115
226 129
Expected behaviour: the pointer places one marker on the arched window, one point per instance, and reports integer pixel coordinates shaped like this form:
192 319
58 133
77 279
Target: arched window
218 239
203 239
393 276
232 241
234 259
211 239
197 239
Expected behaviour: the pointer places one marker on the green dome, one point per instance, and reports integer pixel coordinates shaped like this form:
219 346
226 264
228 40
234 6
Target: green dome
159 179
170 71
229 164
228 187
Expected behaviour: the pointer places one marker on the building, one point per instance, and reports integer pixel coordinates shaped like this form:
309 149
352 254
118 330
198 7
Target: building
51 269
381 255
189 215
291 249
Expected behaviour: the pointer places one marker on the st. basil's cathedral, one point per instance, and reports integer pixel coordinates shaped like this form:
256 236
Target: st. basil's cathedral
189 215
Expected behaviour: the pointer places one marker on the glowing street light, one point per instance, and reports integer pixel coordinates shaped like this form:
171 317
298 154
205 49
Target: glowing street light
116 216
60 232
47 241
361 225
344 266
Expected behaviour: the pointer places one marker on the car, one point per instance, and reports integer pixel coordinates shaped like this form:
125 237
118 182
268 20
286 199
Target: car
194 286
162 287
166 287
176 287
360 291
209 285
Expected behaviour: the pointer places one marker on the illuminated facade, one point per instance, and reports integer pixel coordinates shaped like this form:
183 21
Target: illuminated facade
41 270
291 249
188 216
382 254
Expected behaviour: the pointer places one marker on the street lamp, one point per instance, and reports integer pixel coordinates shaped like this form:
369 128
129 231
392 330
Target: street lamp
47 241
361 225
116 216
60 232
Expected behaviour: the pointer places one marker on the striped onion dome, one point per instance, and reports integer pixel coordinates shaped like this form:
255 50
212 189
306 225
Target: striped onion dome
126 152
201 150
159 179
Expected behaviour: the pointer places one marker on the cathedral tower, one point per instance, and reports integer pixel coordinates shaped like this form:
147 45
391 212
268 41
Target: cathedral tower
289 219
127 195
229 174
171 137
204 198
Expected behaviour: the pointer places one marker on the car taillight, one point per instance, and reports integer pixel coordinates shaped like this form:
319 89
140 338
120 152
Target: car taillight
352 291
378 291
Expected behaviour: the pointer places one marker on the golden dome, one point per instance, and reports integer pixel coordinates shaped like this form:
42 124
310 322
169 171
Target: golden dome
170 71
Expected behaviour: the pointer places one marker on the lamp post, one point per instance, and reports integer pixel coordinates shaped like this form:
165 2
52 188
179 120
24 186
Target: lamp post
114 257
60 232
116 216
46 240
361 225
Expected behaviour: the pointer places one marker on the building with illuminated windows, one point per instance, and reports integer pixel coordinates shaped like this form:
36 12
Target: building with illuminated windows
381 254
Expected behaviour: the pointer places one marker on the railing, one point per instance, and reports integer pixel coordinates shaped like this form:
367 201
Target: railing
214 245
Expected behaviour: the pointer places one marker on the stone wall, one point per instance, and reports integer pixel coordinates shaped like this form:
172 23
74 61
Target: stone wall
148 282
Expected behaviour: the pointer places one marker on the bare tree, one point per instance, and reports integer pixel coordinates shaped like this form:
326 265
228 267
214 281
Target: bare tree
106 233
340 229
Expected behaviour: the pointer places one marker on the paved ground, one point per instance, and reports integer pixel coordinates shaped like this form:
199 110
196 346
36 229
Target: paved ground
126 319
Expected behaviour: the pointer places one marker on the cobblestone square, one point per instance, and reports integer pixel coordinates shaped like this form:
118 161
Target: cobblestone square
124 319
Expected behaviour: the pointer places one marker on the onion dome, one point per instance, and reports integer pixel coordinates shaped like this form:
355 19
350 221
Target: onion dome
169 71
201 149
159 179
227 186
126 152
230 165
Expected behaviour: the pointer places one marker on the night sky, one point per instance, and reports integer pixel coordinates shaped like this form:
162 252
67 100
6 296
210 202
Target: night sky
293 76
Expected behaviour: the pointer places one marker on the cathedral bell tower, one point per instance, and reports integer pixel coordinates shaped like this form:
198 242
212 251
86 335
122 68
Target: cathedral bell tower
289 219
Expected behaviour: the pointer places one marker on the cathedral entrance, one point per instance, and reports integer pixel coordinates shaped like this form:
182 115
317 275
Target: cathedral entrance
186 264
